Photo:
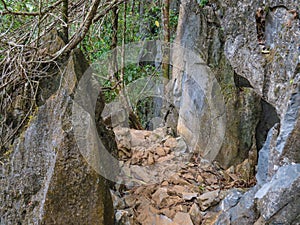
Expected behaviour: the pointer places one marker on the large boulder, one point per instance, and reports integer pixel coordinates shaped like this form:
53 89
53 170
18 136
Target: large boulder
47 179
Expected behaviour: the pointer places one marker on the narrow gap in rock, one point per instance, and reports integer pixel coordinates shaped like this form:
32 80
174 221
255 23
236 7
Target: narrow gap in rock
149 112
267 120
240 81
260 25
297 70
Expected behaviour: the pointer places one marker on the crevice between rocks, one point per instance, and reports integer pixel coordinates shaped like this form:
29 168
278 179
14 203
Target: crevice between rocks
268 119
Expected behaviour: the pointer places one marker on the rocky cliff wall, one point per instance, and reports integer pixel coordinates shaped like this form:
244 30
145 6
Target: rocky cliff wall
252 49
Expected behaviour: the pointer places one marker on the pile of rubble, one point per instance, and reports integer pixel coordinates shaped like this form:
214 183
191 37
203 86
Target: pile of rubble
163 183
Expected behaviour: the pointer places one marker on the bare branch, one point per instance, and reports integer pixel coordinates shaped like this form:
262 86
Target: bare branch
79 36
8 11
105 11
85 26
89 20
4 33
24 57
4 4
65 18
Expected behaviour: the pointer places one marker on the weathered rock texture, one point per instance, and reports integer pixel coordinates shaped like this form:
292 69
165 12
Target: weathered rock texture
201 31
255 58
47 180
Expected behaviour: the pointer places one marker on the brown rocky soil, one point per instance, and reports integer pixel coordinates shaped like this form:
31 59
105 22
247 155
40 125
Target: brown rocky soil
163 182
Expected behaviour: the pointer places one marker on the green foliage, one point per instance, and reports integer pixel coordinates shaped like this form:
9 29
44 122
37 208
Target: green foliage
96 45
17 6
201 188
203 3
15 22
132 72
144 109
267 9
141 25
11 21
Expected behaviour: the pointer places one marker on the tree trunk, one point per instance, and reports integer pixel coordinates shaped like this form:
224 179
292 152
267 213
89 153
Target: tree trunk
133 118
166 38
84 28
114 43
65 19
123 46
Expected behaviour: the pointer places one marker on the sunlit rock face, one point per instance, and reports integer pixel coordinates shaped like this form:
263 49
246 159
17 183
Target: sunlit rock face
47 180
252 49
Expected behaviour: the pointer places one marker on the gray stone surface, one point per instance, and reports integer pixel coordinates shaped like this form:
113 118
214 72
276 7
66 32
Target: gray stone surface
262 175
280 196
238 106
47 180
268 74
230 200
242 212
225 34
288 143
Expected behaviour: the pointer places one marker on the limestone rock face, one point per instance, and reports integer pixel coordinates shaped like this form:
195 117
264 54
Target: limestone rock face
219 122
278 200
252 49
269 74
47 180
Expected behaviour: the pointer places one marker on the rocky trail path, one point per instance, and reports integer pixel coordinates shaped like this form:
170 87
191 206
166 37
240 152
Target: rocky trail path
163 183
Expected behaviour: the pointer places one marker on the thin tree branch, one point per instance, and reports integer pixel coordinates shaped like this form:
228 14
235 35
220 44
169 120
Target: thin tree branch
77 38
166 37
39 22
105 11
65 18
89 20
8 11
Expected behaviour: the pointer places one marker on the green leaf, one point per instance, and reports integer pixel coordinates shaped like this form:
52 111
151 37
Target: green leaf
129 78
